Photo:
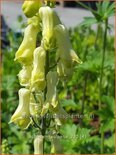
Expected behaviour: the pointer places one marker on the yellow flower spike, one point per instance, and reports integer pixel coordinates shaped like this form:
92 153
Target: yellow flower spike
25 75
24 55
21 117
56 145
30 8
49 21
38 74
52 80
38 144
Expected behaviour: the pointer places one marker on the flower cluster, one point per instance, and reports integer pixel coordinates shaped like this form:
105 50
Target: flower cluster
34 77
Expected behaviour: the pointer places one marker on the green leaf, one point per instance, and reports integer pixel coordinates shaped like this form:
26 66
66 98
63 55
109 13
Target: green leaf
105 6
109 101
88 21
84 132
111 10
105 114
99 7
91 65
107 125
69 104
69 132
82 135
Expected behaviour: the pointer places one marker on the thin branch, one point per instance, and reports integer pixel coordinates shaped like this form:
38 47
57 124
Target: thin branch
35 122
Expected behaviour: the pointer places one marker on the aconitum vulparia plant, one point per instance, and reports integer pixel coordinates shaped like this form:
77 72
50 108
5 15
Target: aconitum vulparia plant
40 75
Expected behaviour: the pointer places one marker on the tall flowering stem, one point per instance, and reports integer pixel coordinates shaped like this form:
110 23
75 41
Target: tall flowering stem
40 74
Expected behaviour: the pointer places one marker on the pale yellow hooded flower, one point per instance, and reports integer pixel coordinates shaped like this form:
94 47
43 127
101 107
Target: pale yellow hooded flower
38 73
21 117
25 75
38 144
49 21
24 55
51 96
64 52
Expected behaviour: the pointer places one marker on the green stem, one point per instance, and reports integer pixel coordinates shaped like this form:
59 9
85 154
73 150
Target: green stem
43 120
84 89
102 64
102 142
101 78
83 99
97 35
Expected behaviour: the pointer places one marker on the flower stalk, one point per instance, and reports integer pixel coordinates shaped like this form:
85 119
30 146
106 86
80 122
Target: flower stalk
40 80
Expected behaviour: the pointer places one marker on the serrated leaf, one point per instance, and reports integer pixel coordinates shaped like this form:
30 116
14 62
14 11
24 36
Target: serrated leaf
83 135
111 10
69 132
107 125
105 6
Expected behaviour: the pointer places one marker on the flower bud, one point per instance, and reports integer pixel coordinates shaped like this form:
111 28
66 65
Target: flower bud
30 8
25 75
51 96
49 20
38 74
38 144
22 115
24 54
